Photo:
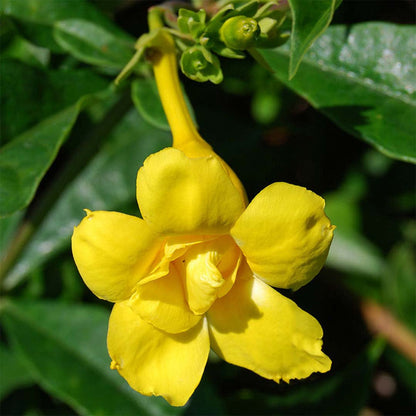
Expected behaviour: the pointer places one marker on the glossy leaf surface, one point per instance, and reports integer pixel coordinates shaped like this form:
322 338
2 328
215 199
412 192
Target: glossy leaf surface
364 79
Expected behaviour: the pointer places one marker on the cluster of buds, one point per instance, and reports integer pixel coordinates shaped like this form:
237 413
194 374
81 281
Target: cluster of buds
222 28
237 27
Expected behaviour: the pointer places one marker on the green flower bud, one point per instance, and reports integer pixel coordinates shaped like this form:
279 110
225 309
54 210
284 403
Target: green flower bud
239 32
199 64
192 23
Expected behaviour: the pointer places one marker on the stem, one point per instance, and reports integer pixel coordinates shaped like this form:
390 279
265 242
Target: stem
380 321
179 34
163 58
21 237
40 208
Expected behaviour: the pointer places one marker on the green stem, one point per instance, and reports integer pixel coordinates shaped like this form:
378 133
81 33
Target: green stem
39 209
155 18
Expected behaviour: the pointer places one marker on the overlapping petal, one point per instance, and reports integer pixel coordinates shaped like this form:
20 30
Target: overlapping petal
285 235
182 195
162 303
154 362
113 252
209 271
257 328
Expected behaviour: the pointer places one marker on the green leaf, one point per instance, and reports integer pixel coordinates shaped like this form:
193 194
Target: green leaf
107 183
49 11
7 31
147 101
28 94
399 283
35 18
350 251
364 79
25 160
93 44
13 374
39 34
310 19
64 348
27 52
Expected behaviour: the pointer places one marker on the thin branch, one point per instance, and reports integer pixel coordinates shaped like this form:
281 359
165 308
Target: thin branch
381 322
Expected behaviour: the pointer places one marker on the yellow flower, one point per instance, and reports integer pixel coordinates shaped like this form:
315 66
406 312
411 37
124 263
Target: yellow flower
194 273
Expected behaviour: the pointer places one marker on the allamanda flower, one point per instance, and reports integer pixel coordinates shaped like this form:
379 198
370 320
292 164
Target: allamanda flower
196 272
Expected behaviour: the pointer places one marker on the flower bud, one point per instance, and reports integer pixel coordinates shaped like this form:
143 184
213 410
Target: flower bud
190 22
199 64
239 32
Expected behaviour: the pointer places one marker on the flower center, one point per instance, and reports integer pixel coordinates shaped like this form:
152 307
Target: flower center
208 271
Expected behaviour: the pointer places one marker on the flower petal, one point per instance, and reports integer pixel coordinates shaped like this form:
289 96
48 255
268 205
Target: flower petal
182 195
285 235
154 362
113 252
162 303
209 270
257 328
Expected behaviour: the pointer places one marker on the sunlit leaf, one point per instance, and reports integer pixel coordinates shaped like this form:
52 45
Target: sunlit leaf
364 79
